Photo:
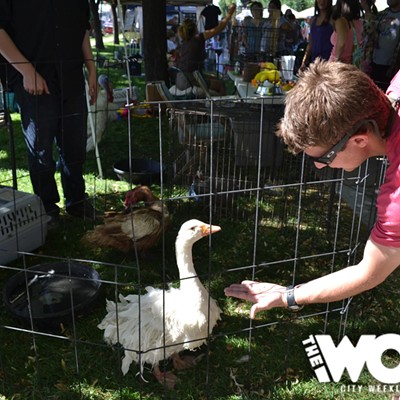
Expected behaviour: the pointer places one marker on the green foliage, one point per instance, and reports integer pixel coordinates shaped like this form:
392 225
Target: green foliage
299 5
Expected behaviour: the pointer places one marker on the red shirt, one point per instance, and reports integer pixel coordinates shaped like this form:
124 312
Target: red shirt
386 231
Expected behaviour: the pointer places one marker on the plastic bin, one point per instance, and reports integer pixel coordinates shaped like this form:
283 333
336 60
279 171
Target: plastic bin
23 223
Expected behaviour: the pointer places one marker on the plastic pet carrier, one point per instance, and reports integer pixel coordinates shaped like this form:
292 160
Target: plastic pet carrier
23 223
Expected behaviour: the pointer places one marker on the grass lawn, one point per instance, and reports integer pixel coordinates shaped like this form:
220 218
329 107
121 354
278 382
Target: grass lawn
262 238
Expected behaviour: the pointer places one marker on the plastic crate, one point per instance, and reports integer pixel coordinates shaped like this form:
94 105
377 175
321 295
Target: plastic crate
120 95
23 223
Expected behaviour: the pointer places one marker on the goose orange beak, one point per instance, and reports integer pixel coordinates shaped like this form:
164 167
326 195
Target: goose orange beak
210 229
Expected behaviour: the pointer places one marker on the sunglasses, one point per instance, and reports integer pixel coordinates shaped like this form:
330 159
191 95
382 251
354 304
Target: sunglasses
331 154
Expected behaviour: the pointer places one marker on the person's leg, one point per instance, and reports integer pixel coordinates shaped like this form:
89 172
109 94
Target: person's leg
71 145
378 75
39 119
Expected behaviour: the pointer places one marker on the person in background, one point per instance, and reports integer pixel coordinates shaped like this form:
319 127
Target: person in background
45 73
344 133
292 37
305 28
347 27
384 39
272 45
369 26
171 41
319 44
210 13
252 32
191 54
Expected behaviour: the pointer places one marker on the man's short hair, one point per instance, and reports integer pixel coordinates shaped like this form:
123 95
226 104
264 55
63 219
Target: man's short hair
326 102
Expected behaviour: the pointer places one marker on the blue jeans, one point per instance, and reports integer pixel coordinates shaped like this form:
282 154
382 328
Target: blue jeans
49 119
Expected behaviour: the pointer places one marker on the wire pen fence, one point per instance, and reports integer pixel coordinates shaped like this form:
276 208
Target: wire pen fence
282 221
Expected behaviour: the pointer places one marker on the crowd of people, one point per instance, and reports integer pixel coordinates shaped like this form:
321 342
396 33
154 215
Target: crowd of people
351 31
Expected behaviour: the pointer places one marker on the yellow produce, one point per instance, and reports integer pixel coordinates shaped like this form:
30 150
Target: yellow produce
268 65
261 76
272 75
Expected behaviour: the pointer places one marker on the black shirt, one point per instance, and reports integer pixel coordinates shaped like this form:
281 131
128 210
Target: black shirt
49 33
210 13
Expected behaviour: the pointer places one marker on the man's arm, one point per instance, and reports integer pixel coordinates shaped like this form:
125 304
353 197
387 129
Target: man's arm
91 68
377 264
33 82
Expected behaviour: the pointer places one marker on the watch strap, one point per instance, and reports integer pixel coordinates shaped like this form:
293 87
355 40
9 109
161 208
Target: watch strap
291 301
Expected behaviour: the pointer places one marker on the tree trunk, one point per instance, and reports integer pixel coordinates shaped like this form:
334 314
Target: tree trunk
94 8
115 22
155 40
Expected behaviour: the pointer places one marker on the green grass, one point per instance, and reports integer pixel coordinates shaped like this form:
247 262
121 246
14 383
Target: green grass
266 362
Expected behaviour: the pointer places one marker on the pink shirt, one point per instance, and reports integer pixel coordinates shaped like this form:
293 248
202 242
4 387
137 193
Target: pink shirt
386 231
394 88
347 54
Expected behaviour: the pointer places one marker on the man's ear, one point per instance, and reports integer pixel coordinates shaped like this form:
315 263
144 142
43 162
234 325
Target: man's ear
360 139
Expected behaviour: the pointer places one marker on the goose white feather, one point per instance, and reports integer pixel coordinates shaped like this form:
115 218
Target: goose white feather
186 314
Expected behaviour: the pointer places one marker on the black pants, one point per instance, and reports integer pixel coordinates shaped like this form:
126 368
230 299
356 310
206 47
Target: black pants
379 75
49 119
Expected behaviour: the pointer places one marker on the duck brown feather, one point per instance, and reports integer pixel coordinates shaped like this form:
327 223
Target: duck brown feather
142 227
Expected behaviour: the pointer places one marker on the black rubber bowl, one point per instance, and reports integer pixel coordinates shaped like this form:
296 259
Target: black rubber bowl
144 171
57 291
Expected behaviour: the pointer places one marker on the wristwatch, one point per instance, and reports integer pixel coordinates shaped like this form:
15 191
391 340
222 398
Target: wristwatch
291 301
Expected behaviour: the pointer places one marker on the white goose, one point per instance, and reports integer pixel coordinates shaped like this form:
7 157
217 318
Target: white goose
186 314
100 113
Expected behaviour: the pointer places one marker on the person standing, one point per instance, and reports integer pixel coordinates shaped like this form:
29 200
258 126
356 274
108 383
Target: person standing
319 44
191 54
277 28
369 26
348 28
46 44
210 13
253 28
385 42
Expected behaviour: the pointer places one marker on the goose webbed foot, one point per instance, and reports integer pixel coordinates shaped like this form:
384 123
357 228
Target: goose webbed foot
166 378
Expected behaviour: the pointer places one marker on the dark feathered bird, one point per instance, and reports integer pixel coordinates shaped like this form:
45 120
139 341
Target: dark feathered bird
140 226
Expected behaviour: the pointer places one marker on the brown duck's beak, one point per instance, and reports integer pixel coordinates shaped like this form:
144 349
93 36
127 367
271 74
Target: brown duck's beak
210 229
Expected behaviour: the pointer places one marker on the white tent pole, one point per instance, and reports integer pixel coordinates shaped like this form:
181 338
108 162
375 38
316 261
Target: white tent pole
92 127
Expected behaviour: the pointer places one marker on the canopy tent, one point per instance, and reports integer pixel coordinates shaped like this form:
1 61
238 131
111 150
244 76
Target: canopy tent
309 12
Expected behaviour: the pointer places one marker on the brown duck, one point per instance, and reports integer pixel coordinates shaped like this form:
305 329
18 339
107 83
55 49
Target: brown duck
135 226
